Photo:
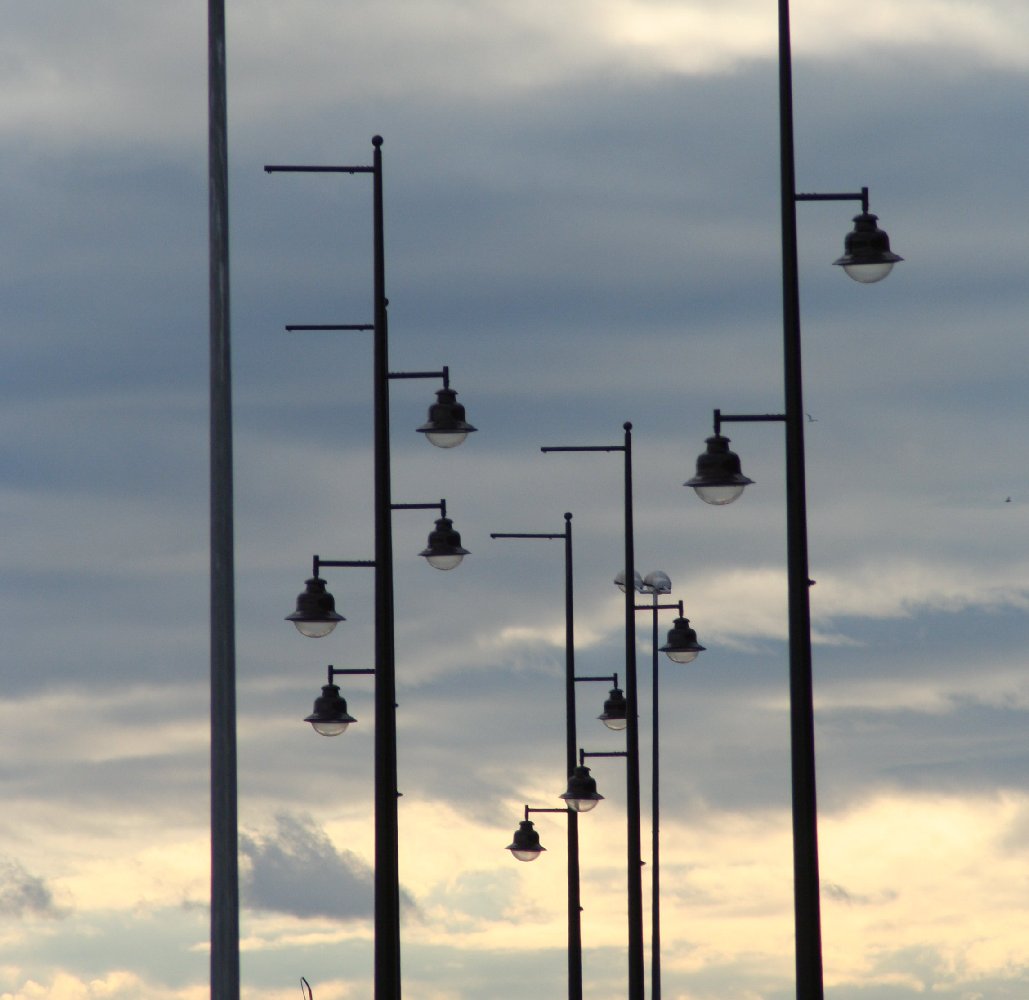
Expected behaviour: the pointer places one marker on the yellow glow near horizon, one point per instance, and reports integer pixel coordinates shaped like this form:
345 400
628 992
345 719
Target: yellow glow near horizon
703 37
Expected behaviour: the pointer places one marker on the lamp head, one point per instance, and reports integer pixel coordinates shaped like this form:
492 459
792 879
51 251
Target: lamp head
614 714
330 716
582 794
657 582
315 615
866 251
619 581
446 426
444 550
719 480
526 845
682 645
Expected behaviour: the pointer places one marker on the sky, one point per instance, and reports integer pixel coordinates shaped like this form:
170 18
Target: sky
582 222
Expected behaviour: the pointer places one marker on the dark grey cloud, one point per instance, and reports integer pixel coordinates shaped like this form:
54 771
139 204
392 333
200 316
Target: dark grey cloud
607 252
297 869
23 894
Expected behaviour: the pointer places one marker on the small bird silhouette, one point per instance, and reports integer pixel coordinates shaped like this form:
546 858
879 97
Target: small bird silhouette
811 419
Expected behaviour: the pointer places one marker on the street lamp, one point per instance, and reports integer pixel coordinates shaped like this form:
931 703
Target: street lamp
581 793
526 844
632 744
330 716
574 904
615 714
445 427
867 258
444 550
681 647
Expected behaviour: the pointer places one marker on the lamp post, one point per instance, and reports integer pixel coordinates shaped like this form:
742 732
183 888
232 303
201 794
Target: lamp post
445 427
632 744
681 647
574 899
867 258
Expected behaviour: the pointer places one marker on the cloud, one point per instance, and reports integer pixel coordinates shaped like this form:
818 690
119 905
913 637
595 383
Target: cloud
297 870
23 894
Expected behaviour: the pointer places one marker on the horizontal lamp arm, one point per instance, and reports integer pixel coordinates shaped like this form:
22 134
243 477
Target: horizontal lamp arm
599 447
533 809
441 506
660 607
300 327
742 418
861 196
288 169
602 753
506 534
318 562
443 374
611 679
340 671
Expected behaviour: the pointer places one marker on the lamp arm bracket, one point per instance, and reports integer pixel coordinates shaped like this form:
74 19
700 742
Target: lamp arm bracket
611 679
598 447
443 374
507 534
861 196
301 327
743 418
277 168
340 671
441 506
603 753
318 562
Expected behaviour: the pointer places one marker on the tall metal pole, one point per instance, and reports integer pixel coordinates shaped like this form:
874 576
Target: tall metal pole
634 862
571 745
807 913
387 861
632 745
224 858
571 759
655 822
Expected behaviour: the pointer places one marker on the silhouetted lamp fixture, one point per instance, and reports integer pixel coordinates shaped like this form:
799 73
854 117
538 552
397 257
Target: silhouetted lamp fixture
614 714
330 716
582 794
681 645
446 426
657 582
867 257
444 549
315 614
719 479
526 845
620 581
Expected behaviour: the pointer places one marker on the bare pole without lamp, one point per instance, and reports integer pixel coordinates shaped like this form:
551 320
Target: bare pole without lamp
224 965
632 753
